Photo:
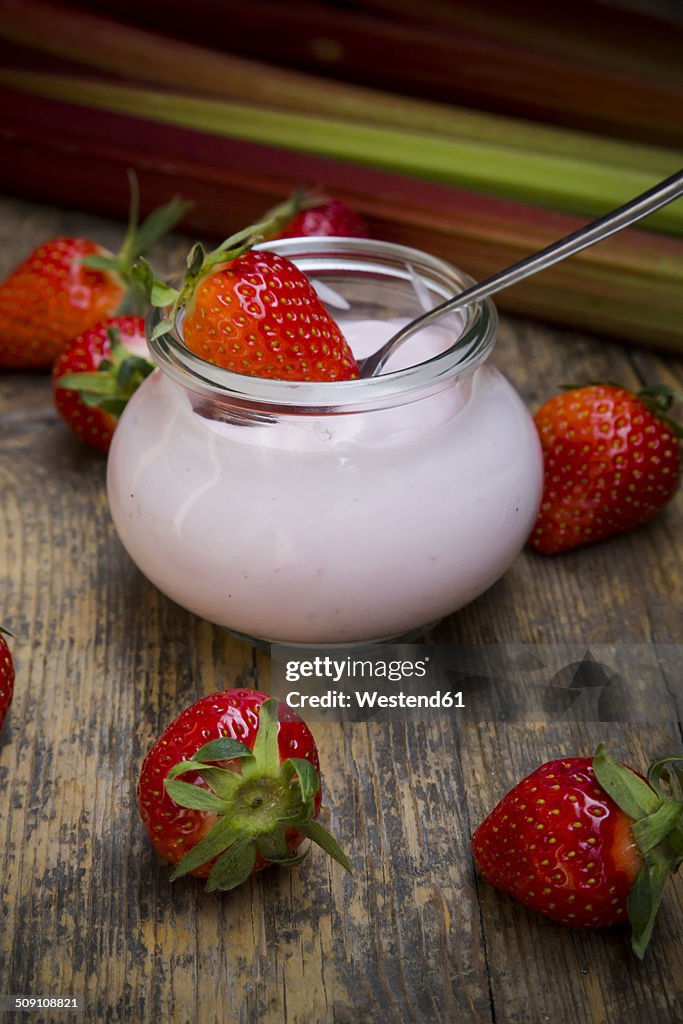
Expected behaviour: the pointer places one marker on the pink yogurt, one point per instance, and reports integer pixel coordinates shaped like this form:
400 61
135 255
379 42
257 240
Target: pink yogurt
337 513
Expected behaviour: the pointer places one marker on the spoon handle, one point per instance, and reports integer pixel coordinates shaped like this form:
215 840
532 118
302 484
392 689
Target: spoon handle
661 194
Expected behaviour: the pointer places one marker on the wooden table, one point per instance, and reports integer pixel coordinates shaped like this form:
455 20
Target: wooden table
104 662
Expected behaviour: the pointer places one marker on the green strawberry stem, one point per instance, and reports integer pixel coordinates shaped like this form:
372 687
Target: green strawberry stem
255 806
300 200
199 262
115 380
659 398
656 807
137 240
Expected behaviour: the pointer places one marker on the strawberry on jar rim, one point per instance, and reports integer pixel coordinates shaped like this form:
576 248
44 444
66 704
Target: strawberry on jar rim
611 462
67 284
231 786
253 311
96 374
588 841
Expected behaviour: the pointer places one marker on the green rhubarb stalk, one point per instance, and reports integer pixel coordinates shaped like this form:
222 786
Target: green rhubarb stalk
629 286
108 45
576 185
611 94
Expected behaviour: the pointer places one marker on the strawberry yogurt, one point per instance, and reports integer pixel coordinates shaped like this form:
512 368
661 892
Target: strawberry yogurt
340 513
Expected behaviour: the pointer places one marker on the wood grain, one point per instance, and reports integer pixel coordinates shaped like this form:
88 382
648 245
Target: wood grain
104 662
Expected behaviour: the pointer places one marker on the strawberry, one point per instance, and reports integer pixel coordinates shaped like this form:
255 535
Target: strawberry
96 374
259 315
330 217
66 285
588 841
612 461
250 795
253 311
6 676
51 296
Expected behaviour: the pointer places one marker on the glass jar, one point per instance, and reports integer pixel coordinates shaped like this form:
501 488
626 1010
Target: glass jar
332 513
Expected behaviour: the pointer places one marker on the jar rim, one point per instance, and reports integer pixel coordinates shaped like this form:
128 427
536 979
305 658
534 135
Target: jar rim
471 349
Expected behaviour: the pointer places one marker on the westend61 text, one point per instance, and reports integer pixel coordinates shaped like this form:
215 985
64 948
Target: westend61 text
373 699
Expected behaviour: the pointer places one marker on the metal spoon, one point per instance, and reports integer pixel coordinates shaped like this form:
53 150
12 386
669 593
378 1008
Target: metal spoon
667 190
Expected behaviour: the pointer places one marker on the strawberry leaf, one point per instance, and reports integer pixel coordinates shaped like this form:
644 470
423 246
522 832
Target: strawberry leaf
158 293
131 372
664 395
651 830
96 261
665 775
162 294
644 900
221 836
157 224
114 381
183 766
266 749
137 240
221 781
631 793
315 831
299 817
195 259
222 749
273 845
185 794
675 843
309 782
114 406
278 217
143 275
92 381
163 327
659 398
233 867
290 862
133 216
659 837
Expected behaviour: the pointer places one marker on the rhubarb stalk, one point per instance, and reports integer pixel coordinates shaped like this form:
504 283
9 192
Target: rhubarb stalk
573 185
629 287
